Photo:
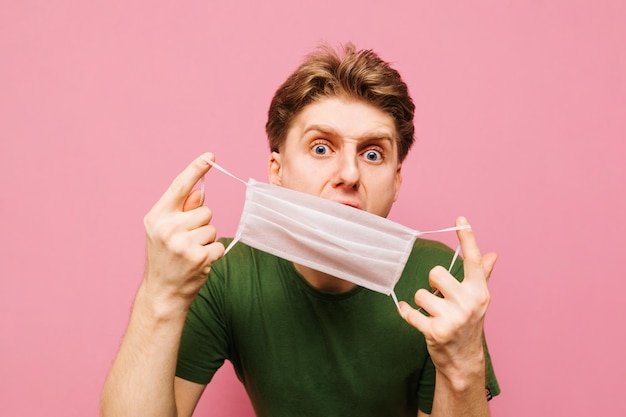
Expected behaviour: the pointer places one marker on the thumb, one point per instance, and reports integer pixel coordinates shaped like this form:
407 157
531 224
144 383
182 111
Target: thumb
193 201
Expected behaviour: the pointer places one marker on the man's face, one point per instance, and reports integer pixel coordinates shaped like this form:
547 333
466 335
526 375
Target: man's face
342 150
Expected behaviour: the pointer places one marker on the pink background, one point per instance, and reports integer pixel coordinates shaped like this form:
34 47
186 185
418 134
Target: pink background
521 125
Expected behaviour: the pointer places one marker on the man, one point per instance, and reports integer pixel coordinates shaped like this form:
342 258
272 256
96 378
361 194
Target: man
303 342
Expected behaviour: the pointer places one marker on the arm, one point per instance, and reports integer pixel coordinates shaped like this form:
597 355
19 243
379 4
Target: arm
454 331
180 249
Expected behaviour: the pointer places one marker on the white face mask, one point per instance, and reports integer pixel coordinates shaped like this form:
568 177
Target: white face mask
354 245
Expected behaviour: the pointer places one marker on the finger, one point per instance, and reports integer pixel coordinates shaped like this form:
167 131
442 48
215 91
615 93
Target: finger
414 317
193 201
193 219
472 258
178 191
443 281
203 235
489 262
429 302
214 251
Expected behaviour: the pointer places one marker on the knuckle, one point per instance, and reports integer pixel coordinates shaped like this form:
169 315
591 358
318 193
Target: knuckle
205 213
196 258
216 250
147 222
437 272
175 244
177 185
479 304
199 259
485 298
474 258
206 270
211 230
150 219
167 232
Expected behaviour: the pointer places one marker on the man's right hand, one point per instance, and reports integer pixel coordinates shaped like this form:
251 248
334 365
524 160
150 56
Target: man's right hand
180 241
180 250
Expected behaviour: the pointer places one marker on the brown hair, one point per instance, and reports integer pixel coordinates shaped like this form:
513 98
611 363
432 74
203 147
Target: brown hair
352 73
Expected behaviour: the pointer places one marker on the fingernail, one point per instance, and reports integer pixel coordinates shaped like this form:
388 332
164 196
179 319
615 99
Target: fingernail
463 223
205 160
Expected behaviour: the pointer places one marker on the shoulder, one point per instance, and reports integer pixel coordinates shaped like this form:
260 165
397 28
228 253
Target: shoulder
245 271
425 255
430 252
242 258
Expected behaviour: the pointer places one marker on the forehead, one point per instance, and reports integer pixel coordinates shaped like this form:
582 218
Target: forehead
345 117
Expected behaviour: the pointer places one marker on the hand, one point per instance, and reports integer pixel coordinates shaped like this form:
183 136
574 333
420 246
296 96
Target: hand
454 327
180 242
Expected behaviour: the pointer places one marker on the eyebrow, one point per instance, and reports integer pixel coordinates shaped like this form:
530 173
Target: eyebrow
373 135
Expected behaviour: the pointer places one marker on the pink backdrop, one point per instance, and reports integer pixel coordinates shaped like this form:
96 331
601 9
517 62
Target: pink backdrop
521 125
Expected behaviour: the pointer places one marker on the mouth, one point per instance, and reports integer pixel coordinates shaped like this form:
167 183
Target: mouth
351 204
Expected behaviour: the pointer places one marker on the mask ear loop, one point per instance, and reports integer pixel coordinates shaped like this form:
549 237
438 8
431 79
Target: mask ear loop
395 300
221 169
447 229
454 258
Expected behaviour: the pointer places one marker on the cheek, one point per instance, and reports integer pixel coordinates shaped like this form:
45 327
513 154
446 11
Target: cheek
299 177
382 194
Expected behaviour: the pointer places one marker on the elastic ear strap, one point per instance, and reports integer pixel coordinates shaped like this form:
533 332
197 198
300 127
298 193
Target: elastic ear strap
454 258
456 255
447 229
395 300
219 168
234 241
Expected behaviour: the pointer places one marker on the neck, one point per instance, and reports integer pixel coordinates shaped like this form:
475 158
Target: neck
324 282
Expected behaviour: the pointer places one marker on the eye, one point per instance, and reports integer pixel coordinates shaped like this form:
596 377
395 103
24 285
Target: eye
320 149
373 155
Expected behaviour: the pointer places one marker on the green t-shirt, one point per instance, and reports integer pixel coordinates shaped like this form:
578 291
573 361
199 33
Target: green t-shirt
301 352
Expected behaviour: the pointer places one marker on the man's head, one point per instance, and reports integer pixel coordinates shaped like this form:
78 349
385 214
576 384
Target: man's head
348 74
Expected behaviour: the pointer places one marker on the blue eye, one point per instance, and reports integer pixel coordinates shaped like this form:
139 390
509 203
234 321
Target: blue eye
320 149
372 155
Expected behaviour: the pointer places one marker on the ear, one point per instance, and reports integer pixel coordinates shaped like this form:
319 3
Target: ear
274 169
398 182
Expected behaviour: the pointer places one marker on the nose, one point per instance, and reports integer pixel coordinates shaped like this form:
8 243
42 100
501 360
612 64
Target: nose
347 174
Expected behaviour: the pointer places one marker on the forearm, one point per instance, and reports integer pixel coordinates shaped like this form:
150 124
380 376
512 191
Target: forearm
141 381
461 394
